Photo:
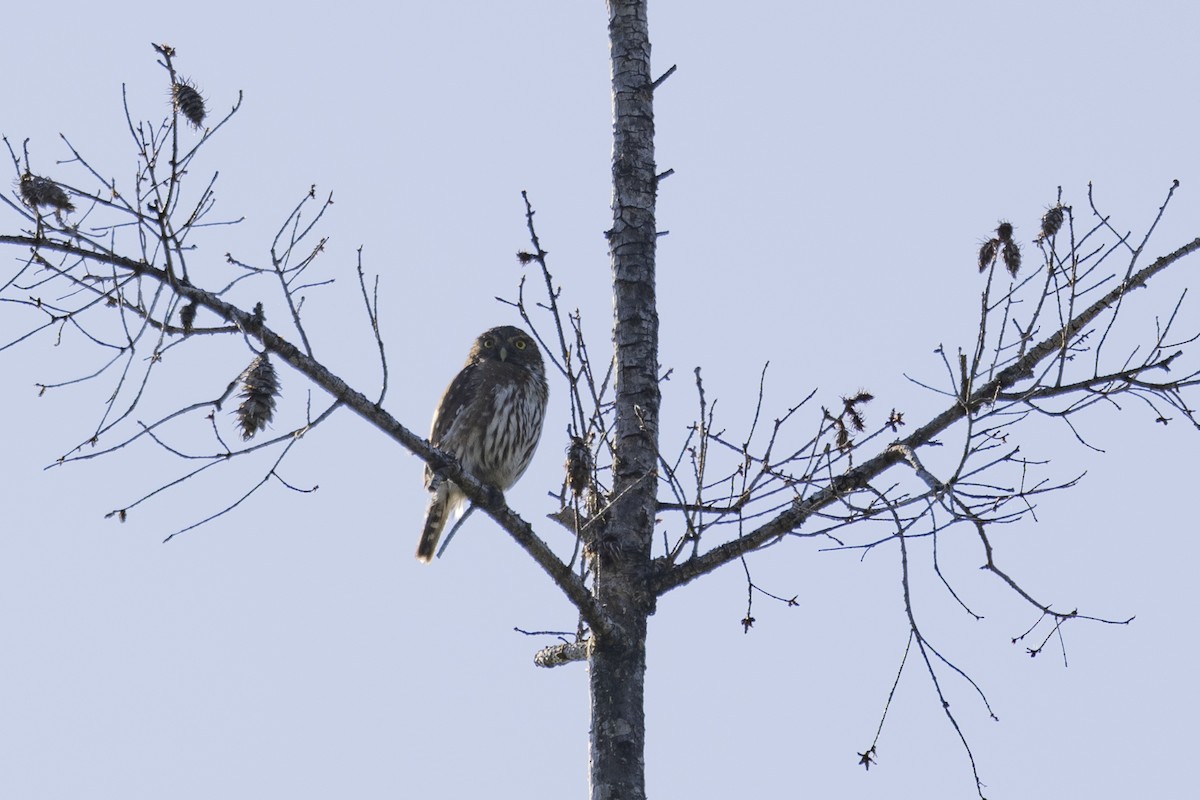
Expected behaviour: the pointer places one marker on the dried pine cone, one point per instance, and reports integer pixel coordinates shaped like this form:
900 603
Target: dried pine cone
187 316
579 465
189 102
1052 220
1012 257
851 405
260 387
987 253
38 191
844 442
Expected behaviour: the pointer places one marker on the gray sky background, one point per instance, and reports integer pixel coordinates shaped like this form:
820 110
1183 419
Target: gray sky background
836 167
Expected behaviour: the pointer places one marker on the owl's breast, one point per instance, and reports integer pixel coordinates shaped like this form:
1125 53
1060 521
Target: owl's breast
511 433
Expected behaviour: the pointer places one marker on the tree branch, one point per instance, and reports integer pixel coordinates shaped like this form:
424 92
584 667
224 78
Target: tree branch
508 519
791 519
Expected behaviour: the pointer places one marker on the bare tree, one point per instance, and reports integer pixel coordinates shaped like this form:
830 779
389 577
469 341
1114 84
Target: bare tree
106 265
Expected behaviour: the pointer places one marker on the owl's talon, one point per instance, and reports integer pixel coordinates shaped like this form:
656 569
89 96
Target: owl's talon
495 497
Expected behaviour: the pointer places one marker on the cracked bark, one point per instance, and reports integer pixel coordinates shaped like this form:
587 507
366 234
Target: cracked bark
617 665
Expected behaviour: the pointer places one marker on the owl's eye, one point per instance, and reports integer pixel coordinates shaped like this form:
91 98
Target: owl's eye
519 344
488 342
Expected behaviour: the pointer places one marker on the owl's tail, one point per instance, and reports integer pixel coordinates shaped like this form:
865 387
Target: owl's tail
435 522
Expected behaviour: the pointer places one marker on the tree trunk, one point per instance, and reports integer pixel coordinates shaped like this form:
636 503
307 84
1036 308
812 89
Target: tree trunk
617 666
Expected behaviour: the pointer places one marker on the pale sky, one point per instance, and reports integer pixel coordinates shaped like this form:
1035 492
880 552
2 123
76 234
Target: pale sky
836 167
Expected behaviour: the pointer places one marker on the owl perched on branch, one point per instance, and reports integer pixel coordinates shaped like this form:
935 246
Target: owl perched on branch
490 419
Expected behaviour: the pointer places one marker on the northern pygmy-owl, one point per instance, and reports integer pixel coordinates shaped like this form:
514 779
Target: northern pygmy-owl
490 418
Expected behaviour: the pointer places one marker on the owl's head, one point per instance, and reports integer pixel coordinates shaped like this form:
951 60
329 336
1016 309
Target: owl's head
508 345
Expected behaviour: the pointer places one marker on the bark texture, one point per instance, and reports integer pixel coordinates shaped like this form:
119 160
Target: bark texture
617 666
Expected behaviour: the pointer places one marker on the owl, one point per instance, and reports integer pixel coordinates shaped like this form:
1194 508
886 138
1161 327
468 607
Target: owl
490 419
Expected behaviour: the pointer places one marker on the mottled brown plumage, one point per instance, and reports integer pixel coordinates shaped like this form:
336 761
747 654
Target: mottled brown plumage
490 419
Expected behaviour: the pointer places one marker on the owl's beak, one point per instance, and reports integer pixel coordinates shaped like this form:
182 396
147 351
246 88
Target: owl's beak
503 353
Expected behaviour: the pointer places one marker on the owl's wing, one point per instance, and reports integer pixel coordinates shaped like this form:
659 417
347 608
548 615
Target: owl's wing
459 395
